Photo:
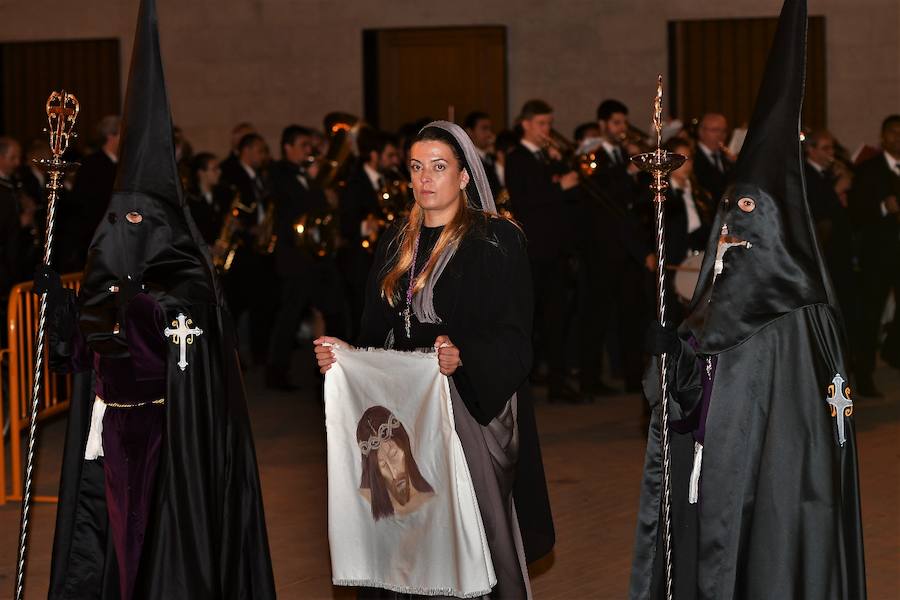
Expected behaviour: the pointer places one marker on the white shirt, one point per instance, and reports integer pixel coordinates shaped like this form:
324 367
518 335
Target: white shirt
693 217
497 168
260 209
893 165
532 147
112 157
819 168
711 155
611 150
39 175
374 176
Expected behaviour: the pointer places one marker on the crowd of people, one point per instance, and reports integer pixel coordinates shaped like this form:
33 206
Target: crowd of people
294 232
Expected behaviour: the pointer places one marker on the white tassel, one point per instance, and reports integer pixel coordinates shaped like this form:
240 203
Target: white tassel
94 447
694 490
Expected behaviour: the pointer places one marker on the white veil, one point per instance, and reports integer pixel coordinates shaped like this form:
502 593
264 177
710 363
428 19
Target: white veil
479 195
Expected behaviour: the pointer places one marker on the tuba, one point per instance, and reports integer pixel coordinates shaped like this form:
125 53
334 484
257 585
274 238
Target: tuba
393 203
265 235
226 245
341 130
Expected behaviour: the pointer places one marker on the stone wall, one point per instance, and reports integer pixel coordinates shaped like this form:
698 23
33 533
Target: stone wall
278 61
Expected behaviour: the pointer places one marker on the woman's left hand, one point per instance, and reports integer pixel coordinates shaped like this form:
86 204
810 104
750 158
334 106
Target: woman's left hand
448 355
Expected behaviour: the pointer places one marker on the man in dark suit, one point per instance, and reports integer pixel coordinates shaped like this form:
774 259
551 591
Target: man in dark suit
833 228
873 203
712 163
481 130
360 211
541 193
90 195
232 164
250 284
10 158
619 256
305 278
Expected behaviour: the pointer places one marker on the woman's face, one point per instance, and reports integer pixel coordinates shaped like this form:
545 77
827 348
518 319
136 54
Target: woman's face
436 177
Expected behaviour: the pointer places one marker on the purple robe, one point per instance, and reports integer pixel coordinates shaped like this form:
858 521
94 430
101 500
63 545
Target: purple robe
132 437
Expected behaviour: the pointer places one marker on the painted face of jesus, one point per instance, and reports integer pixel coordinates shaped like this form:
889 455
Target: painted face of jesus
392 465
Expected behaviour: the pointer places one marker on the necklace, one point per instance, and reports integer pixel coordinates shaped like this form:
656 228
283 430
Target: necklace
407 312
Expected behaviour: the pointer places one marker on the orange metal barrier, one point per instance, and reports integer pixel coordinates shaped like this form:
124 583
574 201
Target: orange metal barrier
18 372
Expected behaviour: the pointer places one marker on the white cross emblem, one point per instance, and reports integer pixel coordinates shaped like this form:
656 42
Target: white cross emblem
841 404
183 335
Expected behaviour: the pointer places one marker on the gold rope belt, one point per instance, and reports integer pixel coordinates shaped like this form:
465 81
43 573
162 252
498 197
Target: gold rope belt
138 405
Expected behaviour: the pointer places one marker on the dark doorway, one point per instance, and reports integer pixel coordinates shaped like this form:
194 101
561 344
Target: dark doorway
415 73
29 71
717 65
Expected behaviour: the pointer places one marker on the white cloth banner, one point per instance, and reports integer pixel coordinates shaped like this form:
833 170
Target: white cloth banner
402 512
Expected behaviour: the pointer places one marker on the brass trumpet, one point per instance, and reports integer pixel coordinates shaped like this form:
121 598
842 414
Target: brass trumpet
226 245
317 233
394 204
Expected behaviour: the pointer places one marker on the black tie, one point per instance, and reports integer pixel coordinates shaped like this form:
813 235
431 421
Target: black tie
718 157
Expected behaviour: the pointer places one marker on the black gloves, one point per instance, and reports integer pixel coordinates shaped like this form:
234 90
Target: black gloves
660 340
46 280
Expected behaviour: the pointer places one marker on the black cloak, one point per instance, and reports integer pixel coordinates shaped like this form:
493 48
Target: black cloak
206 536
778 514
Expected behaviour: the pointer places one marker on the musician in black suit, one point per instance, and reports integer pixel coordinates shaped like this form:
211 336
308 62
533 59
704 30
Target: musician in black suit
250 283
360 210
713 164
873 203
207 199
305 278
232 163
480 128
10 158
833 226
86 205
542 193
620 253
689 208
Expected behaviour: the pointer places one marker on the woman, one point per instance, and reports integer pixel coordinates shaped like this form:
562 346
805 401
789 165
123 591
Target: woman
454 276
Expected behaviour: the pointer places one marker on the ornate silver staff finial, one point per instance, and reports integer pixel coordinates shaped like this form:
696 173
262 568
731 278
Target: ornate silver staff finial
62 110
659 164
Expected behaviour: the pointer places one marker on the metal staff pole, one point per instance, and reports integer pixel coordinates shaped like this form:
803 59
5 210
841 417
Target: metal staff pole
659 164
62 110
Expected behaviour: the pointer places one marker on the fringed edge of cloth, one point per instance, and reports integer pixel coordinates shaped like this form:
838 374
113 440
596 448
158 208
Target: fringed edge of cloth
402 589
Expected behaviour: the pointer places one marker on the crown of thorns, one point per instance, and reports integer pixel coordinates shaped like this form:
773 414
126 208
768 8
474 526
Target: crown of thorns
384 433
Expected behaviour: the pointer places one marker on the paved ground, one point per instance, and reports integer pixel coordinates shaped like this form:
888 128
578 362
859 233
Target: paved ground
593 458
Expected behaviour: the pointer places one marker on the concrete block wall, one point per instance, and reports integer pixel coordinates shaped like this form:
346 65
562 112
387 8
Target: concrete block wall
278 61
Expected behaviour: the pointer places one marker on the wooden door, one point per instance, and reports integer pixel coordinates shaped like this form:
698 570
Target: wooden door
29 71
717 66
416 73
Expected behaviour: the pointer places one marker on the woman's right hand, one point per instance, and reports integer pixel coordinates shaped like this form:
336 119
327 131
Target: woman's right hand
324 347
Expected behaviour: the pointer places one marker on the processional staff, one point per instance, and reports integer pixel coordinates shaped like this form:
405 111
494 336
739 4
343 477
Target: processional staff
659 164
62 110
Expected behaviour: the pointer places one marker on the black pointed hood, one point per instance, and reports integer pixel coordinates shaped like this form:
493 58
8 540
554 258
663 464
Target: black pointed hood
147 239
147 148
771 264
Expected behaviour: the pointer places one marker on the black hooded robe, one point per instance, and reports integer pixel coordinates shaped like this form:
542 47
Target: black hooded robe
778 514
205 535
778 511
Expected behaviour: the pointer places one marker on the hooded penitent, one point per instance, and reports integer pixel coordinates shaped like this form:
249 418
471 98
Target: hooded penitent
773 265
765 500
204 533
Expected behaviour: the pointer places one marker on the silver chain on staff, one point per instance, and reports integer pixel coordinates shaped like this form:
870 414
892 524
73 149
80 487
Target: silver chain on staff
62 110
659 164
